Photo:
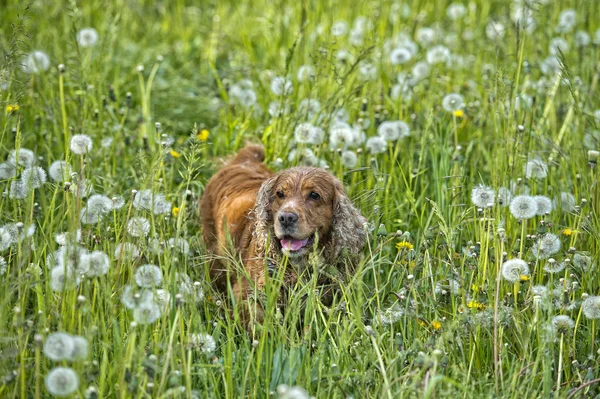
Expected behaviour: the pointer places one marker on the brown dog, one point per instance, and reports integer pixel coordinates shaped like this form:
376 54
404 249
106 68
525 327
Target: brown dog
294 213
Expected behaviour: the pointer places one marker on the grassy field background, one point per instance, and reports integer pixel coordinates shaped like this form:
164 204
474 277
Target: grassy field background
167 89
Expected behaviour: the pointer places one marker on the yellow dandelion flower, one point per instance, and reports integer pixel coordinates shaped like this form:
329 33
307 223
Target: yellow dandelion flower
203 135
175 211
524 277
404 245
436 325
174 154
568 231
12 108
476 305
421 323
459 113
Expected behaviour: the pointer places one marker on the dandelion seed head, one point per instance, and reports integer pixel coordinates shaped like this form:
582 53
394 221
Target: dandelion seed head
495 30
367 70
566 202
513 269
95 264
582 39
339 28
452 102
304 156
553 266
550 66
203 342
295 392
390 315
349 159
281 86
63 278
563 324
420 71
482 196
146 313
80 349
425 36
307 133
59 171
148 276
400 55
544 204
33 177
558 45
437 54
35 62
376 145
179 245
62 381
456 11
582 262
59 346
341 136
6 238
503 196
305 73
22 157
547 245
138 227
567 20
7 171
132 299
81 144
309 107
536 168
87 37
126 250
523 207
591 307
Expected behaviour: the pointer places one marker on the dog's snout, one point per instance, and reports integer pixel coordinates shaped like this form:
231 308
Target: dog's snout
287 219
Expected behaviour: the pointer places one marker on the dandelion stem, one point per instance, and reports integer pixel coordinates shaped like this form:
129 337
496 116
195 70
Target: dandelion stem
560 360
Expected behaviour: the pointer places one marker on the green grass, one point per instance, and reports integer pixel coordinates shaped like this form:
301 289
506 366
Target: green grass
457 327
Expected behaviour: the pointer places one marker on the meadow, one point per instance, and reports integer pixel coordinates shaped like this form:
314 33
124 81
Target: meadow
467 132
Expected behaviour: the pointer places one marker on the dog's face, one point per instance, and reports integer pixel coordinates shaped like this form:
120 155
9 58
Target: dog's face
303 209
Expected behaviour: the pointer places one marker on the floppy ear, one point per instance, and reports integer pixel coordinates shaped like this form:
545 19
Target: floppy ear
348 225
263 215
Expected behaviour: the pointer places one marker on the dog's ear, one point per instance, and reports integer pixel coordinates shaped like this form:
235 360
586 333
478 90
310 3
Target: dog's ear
263 214
349 232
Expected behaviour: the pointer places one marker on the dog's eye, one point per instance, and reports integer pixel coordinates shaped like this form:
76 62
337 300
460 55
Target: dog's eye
280 194
314 195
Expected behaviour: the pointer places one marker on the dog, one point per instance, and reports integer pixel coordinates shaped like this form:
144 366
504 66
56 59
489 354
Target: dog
275 219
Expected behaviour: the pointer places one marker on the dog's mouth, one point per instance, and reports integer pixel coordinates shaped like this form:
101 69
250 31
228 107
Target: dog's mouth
294 245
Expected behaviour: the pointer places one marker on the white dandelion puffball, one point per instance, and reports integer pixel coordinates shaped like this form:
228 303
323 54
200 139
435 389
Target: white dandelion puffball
87 37
437 54
35 62
307 133
349 159
305 73
558 45
59 346
400 55
456 11
80 349
503 196
281 86
546 246
339 28
146 313
63 278
513 269
295 392
452 102
563 324
132 299
536 168
203 342
482 196
62 381
180 245
138 227
33 177
18 190
591 307
341 135
59 171
127 251
96 263
148 276
553 267
81 144
523 207
304 157
376 145
495 30
7 171
544 205
23 157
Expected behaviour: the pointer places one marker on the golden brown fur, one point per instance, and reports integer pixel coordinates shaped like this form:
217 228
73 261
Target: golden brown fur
293 210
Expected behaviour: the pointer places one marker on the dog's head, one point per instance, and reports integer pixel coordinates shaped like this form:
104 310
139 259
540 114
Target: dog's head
301 206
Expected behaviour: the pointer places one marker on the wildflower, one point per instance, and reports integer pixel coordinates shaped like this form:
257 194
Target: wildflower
344 57
18 190
459 113
404 245
309 107
148 276
563 324
582 262
22 157
523 207
59 346
33 177
174 154
546 246
242 94
339 28
203 342
400 55
127 250
558 45
10 108
540 293
349 159
131 299
175 211
544 204
281 86
3 266
62 381
425 36
367 70
436 325
473 304
390 315
59 171
591 307
146 313
80 349
552 266
567 20
35 62
456 11
376 145
138 227
452 102
180 245
495 30
536 168
7 171
306 72
146 200
81 144
482 196
304 157
6 238
550 66
420 71
582 39
296 392
566 201
203 135
87 37
96 263
513 269
306 133
437 55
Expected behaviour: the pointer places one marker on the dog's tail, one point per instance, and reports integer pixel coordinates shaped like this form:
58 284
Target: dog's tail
250 154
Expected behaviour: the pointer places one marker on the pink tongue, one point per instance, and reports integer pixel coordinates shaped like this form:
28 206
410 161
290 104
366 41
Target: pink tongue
293 245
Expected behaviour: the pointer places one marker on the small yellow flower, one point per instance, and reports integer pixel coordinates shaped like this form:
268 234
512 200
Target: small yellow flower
12 108
421 323
436 325
568 231
174 154
459 113
175 211
404 245
476 305
524 277
203 135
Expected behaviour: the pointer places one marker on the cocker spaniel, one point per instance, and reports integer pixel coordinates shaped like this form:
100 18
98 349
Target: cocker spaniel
269 217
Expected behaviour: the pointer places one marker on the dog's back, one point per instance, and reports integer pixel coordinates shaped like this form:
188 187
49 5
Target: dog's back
225 205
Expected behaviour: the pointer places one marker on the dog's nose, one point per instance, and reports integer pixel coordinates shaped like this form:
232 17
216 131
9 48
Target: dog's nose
287 219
